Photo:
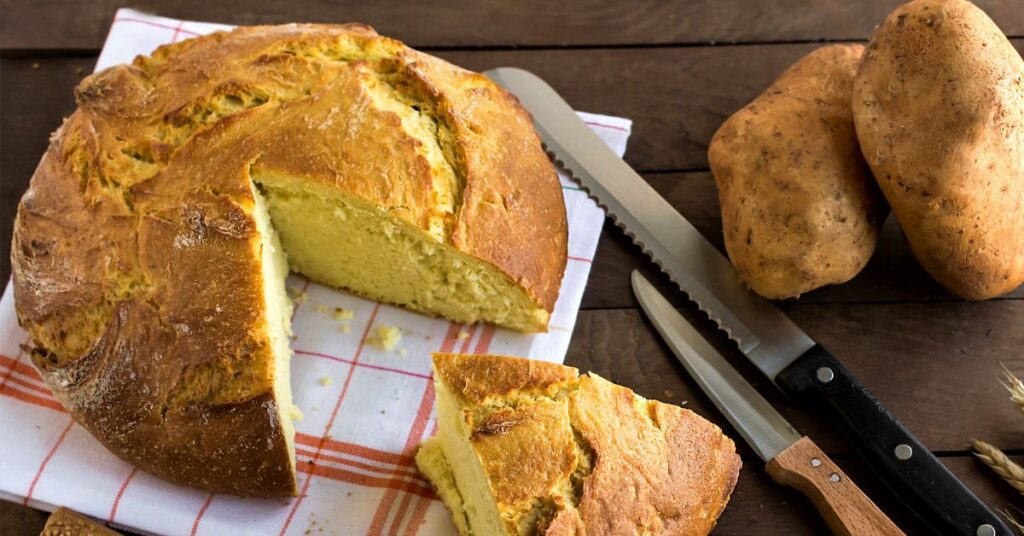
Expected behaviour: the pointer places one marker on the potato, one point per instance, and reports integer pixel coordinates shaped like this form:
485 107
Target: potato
799 207
938 105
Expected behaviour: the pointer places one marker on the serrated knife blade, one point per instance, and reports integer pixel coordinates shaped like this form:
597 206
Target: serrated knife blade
766 335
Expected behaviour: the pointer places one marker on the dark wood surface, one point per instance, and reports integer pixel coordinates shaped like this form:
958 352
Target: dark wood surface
678 69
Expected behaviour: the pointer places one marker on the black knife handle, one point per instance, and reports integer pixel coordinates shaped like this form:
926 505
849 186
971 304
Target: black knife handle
916 476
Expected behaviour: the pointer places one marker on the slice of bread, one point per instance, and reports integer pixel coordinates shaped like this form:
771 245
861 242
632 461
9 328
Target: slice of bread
531 448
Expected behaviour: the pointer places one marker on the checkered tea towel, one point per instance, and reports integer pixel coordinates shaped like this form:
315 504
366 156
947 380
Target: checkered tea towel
366 408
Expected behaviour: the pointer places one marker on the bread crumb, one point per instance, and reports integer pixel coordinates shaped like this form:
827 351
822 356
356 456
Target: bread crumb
320 308
342 314
326 380
297 296
388 337
296 414
402 351
669 393
35 64
345 328
463 335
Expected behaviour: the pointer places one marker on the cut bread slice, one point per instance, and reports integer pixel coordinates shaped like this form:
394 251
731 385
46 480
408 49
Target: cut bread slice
531 448
342 241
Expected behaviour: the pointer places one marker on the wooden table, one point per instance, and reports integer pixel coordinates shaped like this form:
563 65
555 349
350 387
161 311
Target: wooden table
678 68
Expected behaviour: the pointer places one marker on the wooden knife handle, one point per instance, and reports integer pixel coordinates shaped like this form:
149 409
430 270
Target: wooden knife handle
804 467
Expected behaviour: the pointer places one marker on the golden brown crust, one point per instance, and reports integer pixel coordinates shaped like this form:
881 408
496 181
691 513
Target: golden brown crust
136 256
800 209
476 378
613 463
678 468
939 108
66 522
519 186
542 427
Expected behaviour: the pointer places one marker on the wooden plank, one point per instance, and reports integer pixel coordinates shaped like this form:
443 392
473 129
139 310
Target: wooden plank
757 506
16 519
891 275
936 366
82 25
676 97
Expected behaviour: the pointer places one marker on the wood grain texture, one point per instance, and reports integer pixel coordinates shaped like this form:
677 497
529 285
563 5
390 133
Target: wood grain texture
676 97
79 25
936 366
845 508
758 505
18 520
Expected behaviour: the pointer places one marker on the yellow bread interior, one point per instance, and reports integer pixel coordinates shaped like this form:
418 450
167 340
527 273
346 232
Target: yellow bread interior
278 317
342 241
457 460
449 461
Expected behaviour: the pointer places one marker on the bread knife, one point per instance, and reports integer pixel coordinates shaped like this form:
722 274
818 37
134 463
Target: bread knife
778 347
792 460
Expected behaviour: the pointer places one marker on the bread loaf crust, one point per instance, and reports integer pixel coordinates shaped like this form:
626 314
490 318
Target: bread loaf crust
136 254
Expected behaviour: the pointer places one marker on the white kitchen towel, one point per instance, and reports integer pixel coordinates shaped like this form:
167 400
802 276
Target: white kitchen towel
366 408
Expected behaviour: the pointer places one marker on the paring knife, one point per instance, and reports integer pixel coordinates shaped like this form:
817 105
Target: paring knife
793 460
777 346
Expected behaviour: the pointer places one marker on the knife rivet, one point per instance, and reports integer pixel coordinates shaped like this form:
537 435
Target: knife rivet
986 530
903 451
825 375
834 477
815 462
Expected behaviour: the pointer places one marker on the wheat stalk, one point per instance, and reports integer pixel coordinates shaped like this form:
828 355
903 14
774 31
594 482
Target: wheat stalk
1015 387
996 459
1013 521
1000 463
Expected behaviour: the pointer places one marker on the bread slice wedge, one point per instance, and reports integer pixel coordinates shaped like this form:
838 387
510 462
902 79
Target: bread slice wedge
532 448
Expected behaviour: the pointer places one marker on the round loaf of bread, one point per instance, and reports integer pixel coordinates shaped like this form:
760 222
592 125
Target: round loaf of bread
151 248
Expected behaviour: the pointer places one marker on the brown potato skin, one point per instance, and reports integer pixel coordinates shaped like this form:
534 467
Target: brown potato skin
799 207
939 111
